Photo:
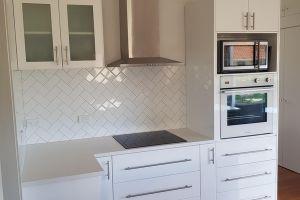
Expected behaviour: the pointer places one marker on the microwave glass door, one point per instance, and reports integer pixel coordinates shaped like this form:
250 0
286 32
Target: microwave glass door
237 56
246 112
263 55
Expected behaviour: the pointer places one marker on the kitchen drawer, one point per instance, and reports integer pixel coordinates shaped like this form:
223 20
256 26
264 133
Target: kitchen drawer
248 175
173 187
264 192
151 164
246 151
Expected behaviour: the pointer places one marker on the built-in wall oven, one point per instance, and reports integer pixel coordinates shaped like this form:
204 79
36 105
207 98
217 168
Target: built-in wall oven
247 105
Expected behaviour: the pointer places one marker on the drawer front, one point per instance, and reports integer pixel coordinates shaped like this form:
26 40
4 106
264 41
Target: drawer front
173 187
265 192
246 151
151 164
248 175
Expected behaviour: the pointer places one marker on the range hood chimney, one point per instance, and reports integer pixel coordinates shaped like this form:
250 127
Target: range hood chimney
140 34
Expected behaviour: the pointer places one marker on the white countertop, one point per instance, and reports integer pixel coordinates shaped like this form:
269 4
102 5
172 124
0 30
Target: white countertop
78 157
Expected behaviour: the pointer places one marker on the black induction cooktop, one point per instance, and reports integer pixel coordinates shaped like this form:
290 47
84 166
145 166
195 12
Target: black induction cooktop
136 140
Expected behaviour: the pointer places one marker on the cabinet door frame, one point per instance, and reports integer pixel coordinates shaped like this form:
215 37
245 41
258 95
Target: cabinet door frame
263 20
20 36
227 20
98 33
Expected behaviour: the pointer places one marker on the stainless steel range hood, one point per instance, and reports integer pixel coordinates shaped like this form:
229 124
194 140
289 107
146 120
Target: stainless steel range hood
140 34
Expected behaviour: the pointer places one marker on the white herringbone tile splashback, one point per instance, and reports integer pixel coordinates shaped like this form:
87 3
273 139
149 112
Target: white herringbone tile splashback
82 103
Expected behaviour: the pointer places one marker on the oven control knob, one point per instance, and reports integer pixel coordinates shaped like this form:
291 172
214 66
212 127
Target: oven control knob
268 80
256 80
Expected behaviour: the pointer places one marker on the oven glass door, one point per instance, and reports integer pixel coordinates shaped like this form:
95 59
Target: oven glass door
246 112
238 56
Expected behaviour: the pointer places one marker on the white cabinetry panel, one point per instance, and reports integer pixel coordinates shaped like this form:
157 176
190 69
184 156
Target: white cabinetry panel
231 15
174 187
265 15
248 175
264 192
244 151
155 163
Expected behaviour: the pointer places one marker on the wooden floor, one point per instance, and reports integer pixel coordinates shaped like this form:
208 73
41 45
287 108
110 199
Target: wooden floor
289 185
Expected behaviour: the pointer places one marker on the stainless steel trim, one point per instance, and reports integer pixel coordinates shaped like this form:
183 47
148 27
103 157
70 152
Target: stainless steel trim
253 21
67 56
260 198
247 152
246 90
247 21
56 54
158 191
245 43
239 43
108 170
245 177
158 164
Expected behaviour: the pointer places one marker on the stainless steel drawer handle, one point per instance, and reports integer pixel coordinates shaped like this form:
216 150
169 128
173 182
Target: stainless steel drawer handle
261 198
158 164
158 191
247 152
245 177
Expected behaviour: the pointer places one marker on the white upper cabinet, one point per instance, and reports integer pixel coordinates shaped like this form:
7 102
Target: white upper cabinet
81 33
290 7
37 35
247 15
264 15
56 34
231 15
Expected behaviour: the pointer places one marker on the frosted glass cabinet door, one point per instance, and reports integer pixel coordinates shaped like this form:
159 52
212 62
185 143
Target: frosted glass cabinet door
38 38
82 34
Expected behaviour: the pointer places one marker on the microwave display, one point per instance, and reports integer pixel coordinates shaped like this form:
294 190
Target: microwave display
244 56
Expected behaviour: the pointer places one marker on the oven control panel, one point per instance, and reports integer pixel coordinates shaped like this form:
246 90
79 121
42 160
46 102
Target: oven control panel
252 80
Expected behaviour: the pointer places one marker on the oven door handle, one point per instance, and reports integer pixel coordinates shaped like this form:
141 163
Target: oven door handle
245 90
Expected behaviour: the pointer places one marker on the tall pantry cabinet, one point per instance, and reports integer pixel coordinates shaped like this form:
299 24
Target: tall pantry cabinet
289 130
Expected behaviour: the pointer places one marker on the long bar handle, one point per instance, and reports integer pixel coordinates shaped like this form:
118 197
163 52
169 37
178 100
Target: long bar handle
244 90
253 21
67 56
245 177
158 164
158 191
108 170
212 156
247 21
261 198
247 152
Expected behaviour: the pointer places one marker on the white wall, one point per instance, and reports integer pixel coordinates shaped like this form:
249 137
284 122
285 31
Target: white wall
111 100
8 147
1 189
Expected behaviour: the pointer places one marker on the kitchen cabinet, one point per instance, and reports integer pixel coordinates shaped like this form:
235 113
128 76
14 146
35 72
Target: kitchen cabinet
208 172
247 168
106 191
290 7
289 97
247 15
171 173
56 34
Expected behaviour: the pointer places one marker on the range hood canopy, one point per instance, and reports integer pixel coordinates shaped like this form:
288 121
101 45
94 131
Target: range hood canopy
140 34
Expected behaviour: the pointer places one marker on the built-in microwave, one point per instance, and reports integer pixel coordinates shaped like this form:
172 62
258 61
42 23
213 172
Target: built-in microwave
243 56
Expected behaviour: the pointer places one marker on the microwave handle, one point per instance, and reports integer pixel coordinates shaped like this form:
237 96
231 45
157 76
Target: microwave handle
256 55
226 91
